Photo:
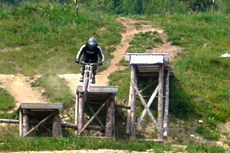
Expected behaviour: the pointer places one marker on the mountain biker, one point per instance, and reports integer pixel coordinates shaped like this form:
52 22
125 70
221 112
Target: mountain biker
90 51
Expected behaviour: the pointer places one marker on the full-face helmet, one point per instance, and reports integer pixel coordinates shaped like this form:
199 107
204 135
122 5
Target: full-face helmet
92 42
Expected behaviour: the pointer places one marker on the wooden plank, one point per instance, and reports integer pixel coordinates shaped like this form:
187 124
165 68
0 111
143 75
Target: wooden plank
165 55
152 140
9 121
165 124
40 106
99 89
148 105
82 130
148 111
160 99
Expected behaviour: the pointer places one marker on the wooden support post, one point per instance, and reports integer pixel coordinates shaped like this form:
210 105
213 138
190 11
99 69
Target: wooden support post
160 99
76 110
56 130
25 121
110 119
131 118
81 113
20 123
165 125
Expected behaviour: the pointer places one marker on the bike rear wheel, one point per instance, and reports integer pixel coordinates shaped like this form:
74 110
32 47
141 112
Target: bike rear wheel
86 89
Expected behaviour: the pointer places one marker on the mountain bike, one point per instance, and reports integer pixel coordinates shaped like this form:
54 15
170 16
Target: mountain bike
87 77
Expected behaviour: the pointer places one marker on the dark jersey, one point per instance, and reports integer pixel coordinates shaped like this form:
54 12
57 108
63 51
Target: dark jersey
89 53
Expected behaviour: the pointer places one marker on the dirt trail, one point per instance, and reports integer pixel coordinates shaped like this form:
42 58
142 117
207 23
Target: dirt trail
19 85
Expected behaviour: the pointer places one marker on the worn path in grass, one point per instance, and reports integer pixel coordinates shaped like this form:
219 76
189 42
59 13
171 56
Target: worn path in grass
19 85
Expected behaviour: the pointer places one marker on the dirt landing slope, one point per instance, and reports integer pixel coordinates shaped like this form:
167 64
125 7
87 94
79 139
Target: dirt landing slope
19 87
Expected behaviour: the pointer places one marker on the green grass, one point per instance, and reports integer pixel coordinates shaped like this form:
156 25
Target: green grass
44 38
49 36
199 68
6 101
55 89
143 41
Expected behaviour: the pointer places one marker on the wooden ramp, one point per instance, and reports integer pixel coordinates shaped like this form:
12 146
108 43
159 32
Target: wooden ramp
102 95
34 115
149 65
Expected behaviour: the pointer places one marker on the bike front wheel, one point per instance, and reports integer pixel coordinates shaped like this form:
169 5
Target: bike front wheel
86 89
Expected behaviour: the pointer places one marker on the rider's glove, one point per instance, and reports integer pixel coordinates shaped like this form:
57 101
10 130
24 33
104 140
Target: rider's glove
100 63
77 60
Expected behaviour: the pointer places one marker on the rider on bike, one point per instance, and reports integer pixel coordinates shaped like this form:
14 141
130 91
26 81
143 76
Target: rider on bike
90 51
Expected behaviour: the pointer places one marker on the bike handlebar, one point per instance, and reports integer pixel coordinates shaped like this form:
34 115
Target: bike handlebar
92 64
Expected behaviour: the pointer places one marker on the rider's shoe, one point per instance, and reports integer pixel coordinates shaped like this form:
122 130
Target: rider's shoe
81 79
93 80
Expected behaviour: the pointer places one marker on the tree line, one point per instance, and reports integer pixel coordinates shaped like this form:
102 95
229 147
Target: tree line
149 7
146 7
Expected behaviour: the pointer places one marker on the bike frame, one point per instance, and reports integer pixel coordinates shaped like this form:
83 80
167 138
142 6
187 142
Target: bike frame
87 76
88 73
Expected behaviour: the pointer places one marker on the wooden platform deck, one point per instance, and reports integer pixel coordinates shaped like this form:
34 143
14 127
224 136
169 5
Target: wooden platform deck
150 64
99 93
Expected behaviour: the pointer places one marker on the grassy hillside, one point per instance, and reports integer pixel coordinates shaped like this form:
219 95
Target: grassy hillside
44 39
201 72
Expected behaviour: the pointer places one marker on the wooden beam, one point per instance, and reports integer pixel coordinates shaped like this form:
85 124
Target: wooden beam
147 86
160 99
96 116
56 129
80 113
122 106
76 111
40 123
92 118
25 121
148 105
147 109
89 127
131 118
9 121
20 123
110 120
41 106
165 125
